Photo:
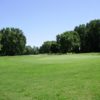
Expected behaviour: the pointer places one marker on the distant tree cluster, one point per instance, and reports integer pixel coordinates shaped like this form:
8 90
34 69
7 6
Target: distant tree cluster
89 36
84 38
49 47
12 41
29 50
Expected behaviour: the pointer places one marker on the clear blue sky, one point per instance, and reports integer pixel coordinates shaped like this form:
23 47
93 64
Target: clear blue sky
42 20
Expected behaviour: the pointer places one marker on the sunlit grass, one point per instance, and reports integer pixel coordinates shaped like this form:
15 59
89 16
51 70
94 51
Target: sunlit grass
50 77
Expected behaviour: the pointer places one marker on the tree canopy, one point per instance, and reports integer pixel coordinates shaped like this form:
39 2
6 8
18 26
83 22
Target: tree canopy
93 36
69 41
84 38
12 41
81 30
89 36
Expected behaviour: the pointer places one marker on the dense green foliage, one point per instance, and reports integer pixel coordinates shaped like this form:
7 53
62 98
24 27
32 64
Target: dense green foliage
50 77
12 41
68 41
55 48
89 36
84 38
93 36
49 47
29 50
81 30
46 47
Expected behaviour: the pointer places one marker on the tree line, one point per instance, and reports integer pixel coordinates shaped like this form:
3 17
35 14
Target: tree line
84 38
13 42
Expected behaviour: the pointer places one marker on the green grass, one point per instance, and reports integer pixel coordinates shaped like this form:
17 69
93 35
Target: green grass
50 77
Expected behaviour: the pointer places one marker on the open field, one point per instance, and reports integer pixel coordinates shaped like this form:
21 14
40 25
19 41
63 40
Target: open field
50 77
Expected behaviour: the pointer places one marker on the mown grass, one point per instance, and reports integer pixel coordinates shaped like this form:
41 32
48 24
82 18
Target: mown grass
50 77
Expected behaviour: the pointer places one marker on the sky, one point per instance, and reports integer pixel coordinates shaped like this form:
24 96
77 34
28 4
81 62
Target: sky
42 20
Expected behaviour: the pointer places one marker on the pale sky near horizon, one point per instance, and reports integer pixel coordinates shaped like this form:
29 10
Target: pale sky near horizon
42 20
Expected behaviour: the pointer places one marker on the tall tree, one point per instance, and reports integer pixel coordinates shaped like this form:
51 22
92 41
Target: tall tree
81 30
68 41
13 41
93 36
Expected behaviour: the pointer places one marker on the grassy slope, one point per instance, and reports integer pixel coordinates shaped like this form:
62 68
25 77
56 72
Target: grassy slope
50 77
